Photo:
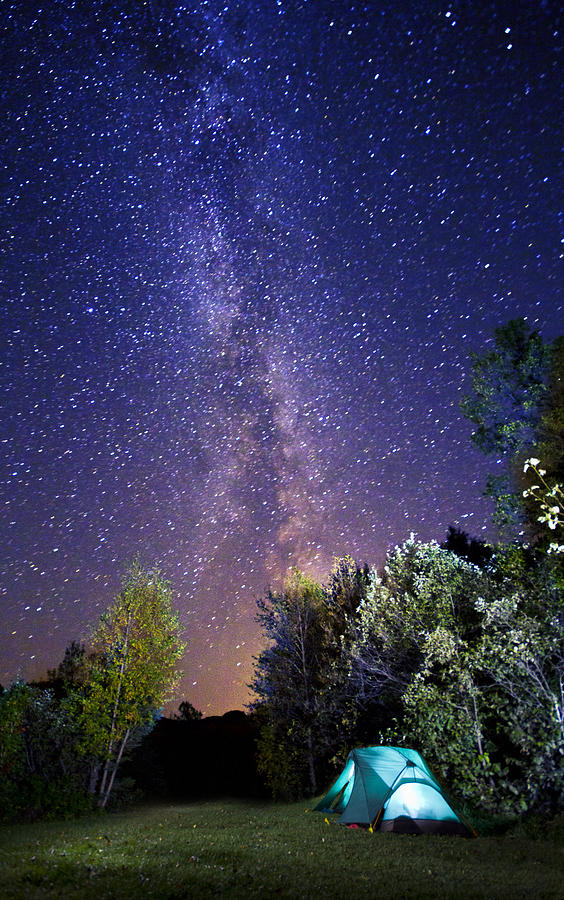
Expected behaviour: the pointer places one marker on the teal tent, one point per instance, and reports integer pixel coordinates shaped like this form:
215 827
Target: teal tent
391 789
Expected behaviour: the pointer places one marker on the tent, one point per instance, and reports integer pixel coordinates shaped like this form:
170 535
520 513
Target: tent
391 789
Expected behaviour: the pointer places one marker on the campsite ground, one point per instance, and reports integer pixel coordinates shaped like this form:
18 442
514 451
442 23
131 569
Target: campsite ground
237 849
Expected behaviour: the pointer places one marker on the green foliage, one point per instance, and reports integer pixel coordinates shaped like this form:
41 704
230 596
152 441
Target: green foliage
288 673
429 623
464 662
14 703
549 500
58 744
442 718
345 590
301 679
509 386
521 657
510 396
42 775
550 447
423 588
470 664
73 669
136 649
337 721
456 649
280 761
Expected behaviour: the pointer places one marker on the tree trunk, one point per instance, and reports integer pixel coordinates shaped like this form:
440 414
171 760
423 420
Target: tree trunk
478 732
106 769
29 755
110 747
94 773
302 626
311 761
106 795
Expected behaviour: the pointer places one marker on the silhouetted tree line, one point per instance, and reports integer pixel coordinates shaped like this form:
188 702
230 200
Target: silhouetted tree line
193 758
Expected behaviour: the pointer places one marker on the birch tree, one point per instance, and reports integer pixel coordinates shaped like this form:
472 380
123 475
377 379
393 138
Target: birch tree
136 647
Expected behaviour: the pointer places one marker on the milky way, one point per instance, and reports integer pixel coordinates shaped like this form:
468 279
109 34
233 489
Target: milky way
247 249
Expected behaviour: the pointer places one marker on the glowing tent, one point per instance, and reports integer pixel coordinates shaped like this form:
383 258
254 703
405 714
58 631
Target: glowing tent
391 789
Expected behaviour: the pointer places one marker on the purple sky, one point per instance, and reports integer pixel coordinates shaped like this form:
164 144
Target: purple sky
247 250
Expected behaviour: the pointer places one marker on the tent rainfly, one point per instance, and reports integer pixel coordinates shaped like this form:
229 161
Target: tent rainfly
391 789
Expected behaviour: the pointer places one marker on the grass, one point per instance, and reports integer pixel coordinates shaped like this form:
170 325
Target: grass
243 850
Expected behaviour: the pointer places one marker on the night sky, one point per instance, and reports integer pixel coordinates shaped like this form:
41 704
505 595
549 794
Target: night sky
247 248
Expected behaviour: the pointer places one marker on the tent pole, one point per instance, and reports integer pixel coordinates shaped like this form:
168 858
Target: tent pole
390 789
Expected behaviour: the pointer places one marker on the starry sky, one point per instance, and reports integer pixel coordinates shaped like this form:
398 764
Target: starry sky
247 248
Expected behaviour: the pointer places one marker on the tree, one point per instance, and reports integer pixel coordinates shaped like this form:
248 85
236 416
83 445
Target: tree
409 661
467 665
305 708
287 680
42 773
470 549
64 739
509 397
14 702
345 590
136 647
521 660
423 588
188 713
549 501
339 726
443 715
72 670
550 447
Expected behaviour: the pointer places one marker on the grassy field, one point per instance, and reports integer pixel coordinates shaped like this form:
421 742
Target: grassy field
241 850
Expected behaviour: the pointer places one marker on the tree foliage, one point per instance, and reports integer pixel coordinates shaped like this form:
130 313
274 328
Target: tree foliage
469 548
550 447
423 589
42 773
420 609
510 395
63 741
301 679
457 649
287 679
73 669
509 389
14 702
521 660
136 646
466 664
549 502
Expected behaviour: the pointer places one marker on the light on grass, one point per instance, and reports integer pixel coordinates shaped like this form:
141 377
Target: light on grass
230 862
